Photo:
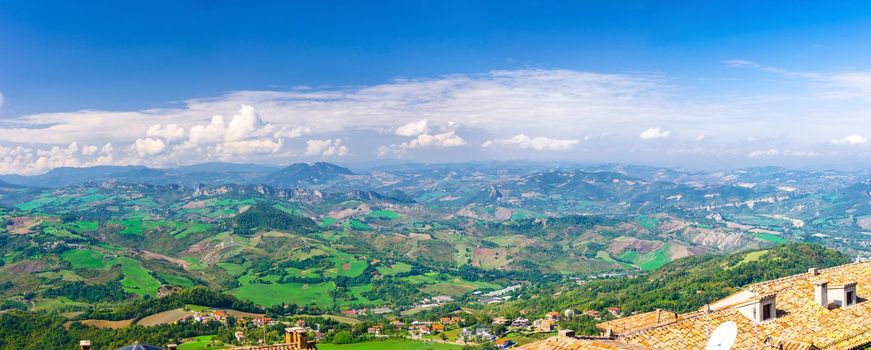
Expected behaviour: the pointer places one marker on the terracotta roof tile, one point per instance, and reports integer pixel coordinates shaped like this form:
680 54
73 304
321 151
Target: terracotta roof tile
800 323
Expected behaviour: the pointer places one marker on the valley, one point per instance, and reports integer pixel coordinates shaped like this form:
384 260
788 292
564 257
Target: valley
404 242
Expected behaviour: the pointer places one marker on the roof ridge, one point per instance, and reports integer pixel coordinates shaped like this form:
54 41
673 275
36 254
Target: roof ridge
828 269
681 317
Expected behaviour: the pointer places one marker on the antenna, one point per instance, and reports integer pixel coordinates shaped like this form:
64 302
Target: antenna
723 337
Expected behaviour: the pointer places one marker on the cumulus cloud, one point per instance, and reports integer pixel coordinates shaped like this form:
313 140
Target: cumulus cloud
440 140
412 129
243 125
325 148
171 132
850 140
654 133
26 160
149 146
579 105
536 143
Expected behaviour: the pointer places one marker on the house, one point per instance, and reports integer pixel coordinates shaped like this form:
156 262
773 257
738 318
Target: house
490 300
520 322
381 310
262 321
500 320
397 323
480 333
553 315
484 334
503 343
614 311
350 312
445 320
376 329
240 336
300 323
595 314
424 329
442 299
438 328
219 314
817 310
457 320
544 326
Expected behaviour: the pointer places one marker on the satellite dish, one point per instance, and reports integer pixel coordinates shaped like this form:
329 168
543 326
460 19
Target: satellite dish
723 337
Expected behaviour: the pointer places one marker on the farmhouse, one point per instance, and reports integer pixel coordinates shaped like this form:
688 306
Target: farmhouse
820 309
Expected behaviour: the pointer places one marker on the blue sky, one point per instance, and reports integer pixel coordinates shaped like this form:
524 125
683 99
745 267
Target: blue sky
671 83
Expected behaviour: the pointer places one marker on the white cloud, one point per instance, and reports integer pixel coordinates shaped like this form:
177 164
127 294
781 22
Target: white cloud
172 132
441 140
413 128
654 133
209 133
90 150
325 148
26 160
850 140
243 125
536 143
149 146
602 109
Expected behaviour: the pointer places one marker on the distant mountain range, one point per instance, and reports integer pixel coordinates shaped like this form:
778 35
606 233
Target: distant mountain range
294 176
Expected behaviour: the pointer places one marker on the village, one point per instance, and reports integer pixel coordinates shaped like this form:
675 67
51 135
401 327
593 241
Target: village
381 323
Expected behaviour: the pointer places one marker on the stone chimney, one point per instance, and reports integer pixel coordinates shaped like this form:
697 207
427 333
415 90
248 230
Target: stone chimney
296 336
821 293
85 344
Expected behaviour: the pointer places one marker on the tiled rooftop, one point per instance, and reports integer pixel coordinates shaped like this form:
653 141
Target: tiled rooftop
639 321
801 323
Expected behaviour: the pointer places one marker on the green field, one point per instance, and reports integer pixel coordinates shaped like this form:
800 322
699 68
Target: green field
84 225
647 222
384 214
137 279
327 221
232 269
199 343
392 344
770 238
84 258
356 225
393 269
647 261
176 280
290 293
132 227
